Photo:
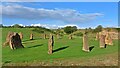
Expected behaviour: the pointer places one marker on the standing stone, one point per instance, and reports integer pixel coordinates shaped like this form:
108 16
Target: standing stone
70 37
15 41
102 41
108 39
8 38
50 44
110 42
85 43
44 36
97 36
21 35
31 36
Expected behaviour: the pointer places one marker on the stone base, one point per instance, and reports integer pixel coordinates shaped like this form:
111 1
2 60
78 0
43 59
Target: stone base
85 50
31 39
49 52
102 46
110 44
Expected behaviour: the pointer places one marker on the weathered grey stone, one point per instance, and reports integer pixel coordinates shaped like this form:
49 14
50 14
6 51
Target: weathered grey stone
8 38
15 41
50 44
85 43
102 41
31 36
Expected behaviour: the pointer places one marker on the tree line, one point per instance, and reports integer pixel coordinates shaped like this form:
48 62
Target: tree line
67 29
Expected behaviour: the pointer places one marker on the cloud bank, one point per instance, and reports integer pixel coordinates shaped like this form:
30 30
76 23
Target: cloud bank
65 15
53 26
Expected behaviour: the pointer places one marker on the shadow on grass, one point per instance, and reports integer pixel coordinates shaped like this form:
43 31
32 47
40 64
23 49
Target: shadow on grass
105 45
62 48
31 39
26 40
35 46
7 61
91 48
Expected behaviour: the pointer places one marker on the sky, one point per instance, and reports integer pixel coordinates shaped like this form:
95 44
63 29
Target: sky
60 14
60 0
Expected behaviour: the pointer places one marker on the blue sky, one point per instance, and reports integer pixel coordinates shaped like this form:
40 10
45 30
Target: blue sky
61 14
60 0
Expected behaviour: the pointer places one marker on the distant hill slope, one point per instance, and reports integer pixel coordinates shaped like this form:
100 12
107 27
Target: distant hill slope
26 32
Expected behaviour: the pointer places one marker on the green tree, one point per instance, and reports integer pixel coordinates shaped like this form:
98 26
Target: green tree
17 26
98 28
70 29
78 34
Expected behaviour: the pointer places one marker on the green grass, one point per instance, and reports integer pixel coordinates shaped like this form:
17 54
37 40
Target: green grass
36 50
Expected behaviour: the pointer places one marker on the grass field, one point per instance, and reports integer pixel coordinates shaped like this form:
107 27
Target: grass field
66 52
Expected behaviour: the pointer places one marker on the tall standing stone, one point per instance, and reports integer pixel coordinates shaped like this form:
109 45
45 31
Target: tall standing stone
102 41
97 36
111 41
31 36
15 41
108 39
8 38
85 43
21 35
70 36
50 44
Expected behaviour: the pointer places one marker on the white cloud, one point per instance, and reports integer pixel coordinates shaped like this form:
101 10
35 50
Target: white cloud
21 24
53 26
14 24
46 26
43 25
65 15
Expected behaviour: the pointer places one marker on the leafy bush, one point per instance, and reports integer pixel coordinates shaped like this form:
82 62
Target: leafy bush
42 30
17 26
98 28
79 34
70 29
